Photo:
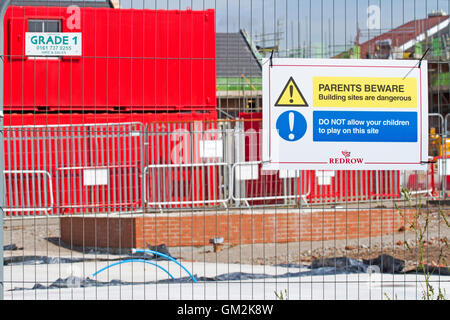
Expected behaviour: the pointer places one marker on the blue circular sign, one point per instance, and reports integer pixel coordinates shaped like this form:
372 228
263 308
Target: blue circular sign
291 125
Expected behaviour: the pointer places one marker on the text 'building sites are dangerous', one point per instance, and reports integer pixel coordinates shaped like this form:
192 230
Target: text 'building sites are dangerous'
374 92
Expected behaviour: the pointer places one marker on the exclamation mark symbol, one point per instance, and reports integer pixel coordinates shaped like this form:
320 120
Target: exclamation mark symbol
291 125
291 91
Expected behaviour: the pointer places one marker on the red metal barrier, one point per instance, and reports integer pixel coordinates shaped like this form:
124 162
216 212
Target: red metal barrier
131 60
180 145
436 179
96 162
355 185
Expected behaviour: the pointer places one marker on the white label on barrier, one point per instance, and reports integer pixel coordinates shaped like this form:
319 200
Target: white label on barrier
288 173
53 44
441 167
324 177
211 149
247 172
95 177
321 181
325 173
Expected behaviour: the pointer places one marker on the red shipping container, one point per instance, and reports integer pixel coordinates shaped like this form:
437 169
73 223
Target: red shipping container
131 60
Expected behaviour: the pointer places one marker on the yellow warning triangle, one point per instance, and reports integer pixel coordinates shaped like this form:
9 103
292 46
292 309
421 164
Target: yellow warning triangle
291 96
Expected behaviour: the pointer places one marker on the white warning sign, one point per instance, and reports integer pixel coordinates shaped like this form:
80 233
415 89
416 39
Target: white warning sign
345 114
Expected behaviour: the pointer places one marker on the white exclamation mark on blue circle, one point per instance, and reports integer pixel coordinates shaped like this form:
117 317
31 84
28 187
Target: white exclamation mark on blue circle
291 125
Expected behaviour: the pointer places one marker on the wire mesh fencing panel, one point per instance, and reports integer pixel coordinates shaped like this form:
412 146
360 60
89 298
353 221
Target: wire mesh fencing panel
132 153
77 163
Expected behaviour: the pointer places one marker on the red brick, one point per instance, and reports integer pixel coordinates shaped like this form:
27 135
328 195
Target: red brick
235 228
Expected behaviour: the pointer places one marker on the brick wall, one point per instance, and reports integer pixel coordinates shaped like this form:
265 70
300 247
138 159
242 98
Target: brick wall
196 229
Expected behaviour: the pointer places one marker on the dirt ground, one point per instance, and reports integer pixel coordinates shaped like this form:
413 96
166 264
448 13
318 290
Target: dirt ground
402 245
40 237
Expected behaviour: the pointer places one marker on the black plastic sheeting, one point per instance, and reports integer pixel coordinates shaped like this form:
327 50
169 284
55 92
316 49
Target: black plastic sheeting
159 248
11 247
385 263
320 267
443 271
33 260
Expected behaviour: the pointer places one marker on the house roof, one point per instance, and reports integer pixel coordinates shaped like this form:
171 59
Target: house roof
407 35
63 3
234 57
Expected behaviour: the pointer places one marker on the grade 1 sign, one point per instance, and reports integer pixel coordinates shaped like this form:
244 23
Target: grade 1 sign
338 114
53 44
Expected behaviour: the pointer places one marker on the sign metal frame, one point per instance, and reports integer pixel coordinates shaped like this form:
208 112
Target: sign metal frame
398 141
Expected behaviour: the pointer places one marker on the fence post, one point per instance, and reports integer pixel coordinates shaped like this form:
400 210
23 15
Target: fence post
443 136
3 6
444 155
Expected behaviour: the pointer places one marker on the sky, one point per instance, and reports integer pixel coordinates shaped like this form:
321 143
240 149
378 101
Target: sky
305 22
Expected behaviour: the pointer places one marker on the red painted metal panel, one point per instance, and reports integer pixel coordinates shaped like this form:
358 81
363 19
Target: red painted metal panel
16 43
132 60
65 145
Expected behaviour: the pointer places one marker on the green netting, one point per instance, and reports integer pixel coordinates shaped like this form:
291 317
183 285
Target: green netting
440 79
437 47
238 84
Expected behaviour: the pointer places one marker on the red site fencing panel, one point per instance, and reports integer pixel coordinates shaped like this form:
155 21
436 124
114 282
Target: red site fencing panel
437 178
130 165
176 174
99 167
92 166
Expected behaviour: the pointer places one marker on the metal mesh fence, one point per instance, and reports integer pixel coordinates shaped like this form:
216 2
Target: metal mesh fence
131 151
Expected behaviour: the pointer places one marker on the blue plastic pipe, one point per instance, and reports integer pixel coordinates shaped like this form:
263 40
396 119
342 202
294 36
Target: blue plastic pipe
167 257
132 260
